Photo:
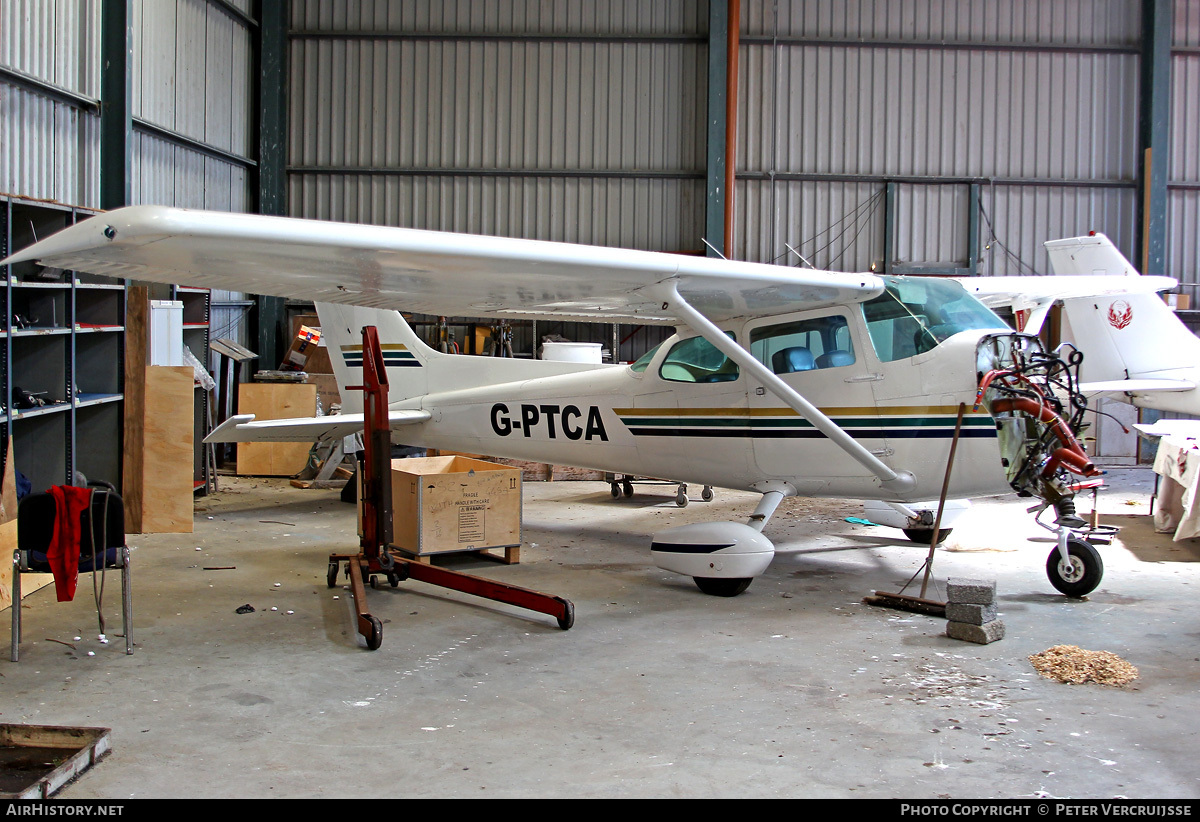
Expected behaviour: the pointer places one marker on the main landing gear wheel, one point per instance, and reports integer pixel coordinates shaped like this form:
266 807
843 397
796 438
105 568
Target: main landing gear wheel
716 587
1080 574
925 535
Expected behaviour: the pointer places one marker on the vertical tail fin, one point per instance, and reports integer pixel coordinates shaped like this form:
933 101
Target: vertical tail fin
1094 254
404 353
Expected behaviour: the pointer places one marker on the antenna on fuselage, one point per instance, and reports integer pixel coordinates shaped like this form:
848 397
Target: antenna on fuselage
714 249
801 256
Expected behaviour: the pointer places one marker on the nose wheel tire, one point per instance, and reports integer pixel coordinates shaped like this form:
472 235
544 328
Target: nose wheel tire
1080 573
925 535
722 587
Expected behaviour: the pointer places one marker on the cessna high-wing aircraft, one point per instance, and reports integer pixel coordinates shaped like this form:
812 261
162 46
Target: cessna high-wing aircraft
779 380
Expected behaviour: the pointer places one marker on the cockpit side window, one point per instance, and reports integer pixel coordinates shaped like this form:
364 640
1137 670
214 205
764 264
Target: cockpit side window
913 316
697 360
804 345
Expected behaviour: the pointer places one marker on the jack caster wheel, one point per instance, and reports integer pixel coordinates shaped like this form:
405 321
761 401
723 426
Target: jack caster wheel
616 490
568 619
707 494
376 637
681 497
925 535
374 581
331 574
722 587
627 488
1080 574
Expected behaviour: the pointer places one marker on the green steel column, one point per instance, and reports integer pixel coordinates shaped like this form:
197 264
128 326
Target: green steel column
973 229
270 313
1153 134
116 105
889 227
714 208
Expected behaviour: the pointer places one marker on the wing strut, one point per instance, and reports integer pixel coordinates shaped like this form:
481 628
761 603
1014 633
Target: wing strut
893 481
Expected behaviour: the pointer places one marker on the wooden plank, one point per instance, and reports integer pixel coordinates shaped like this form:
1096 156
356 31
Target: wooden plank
167 495
137 309
275 401
8 488
29 582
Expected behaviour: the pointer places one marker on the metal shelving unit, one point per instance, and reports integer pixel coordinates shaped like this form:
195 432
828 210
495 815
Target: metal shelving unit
64 345
197 309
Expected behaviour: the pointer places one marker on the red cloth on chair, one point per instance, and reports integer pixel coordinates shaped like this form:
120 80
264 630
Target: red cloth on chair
63 551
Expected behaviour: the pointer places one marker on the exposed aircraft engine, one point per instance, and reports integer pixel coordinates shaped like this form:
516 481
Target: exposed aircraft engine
722 557
1034 397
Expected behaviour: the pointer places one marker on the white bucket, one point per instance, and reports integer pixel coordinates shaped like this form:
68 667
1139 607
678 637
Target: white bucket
571 351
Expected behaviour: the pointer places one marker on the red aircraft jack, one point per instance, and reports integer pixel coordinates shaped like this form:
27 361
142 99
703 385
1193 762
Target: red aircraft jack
375 558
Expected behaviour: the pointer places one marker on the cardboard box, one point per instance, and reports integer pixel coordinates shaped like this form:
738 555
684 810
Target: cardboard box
327 390
304 346
317 359
447 504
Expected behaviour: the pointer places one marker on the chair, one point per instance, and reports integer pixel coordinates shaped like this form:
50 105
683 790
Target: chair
835 359
791 360
104 520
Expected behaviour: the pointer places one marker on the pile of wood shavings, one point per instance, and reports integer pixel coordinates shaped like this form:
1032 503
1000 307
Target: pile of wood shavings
1069 663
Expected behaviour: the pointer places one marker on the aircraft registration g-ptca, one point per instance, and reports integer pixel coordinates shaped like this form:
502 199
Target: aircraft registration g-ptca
778 380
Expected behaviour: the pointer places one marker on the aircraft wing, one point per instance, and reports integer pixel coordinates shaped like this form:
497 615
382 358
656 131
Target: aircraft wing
244 428
430 272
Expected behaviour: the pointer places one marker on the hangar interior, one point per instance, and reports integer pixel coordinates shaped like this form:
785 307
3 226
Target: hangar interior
944 138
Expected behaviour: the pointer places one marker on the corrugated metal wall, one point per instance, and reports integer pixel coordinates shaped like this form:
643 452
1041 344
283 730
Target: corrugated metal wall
566 121
1035 102
50 145
1183 189
193 73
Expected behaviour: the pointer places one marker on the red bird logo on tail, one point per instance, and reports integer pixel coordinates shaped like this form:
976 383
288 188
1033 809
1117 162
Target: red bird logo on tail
1120 314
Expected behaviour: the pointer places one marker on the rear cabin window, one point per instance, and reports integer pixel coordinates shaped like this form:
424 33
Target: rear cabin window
804 345
697 360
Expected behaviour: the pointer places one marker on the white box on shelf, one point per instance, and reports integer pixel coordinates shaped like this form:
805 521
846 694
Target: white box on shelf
166 332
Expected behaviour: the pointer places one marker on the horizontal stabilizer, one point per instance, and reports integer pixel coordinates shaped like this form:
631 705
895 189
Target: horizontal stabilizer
244 428
1145 386
1170 428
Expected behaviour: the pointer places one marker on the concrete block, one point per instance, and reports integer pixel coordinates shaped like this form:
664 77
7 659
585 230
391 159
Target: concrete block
979 634
971 591
973 614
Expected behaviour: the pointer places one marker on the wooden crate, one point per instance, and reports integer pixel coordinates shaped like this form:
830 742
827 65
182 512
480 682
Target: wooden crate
448 504
274 401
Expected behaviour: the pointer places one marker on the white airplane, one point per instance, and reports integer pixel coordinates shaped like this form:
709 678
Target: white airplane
1137 350
778 380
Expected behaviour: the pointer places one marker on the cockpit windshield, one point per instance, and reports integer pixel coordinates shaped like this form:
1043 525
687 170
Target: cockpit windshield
914 315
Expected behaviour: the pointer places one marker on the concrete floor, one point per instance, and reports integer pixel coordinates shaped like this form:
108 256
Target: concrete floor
794 689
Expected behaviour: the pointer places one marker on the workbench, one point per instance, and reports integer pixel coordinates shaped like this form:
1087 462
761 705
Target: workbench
1177 464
